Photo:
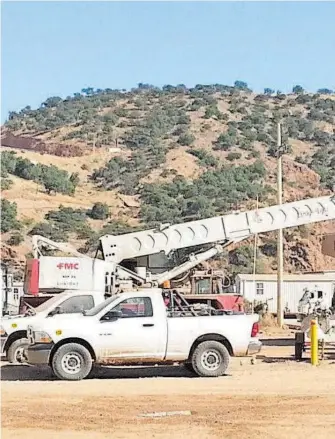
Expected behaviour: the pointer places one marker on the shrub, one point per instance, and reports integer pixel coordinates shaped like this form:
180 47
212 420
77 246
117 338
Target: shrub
6 184
99 211
205 158
69 220
15 239
226 141
120 112
212 111
254 154
50 231
233 156
186 139
196 105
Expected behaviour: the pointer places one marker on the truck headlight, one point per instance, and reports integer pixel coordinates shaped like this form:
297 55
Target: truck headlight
42 337
2 331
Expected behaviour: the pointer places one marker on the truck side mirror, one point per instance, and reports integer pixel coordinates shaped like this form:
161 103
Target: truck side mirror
111 316
57 310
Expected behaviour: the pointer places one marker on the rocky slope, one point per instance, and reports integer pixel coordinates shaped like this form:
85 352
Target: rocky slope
163 155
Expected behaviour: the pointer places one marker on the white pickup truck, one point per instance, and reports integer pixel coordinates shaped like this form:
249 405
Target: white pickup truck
138 328
13 329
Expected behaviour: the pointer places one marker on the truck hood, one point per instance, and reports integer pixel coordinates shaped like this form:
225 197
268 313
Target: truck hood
18 316
21 322
61 321
17 323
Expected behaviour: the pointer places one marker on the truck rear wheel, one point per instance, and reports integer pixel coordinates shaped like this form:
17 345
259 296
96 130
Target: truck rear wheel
15 352
72 362
210 359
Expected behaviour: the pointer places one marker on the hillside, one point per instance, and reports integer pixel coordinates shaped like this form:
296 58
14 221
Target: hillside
111 161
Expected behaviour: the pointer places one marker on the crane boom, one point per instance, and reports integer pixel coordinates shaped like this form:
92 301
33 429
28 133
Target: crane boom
212 234
217 230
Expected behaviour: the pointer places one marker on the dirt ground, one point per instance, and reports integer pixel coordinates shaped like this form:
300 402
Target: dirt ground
275 397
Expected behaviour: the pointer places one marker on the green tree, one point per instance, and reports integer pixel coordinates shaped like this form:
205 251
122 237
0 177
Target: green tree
325 91
8 162
8 216
241 85
56 180
52 102
298 89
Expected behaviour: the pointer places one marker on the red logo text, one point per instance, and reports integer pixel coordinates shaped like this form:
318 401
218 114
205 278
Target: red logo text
68 265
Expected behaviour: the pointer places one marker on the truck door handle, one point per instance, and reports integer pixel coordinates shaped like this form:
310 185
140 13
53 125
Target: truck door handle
147 325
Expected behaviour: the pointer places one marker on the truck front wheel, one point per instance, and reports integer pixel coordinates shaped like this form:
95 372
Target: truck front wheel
72 362
16 351
210 359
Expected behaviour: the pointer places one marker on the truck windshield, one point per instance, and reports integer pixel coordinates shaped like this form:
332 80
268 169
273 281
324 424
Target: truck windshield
94 311
48 303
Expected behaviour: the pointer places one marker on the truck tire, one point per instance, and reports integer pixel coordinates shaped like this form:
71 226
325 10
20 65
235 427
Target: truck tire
188 366
15 352
210 359
298 346
72 362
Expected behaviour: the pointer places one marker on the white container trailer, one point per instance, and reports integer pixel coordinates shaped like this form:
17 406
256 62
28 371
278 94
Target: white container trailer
263 288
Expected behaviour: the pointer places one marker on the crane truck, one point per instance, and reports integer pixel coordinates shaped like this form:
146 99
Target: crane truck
149 258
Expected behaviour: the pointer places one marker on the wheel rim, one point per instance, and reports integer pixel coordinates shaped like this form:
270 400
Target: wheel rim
211 360
72 363
19 354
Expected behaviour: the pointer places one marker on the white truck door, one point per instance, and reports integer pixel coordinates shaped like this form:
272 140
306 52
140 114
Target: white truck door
137 333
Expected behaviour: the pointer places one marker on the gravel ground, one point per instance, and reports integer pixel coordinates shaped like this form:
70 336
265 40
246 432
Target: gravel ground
275 397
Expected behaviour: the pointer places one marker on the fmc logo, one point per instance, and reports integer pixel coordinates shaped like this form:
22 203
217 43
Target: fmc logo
68 265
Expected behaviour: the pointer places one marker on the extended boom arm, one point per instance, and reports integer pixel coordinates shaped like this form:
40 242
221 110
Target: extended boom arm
220 229
220 232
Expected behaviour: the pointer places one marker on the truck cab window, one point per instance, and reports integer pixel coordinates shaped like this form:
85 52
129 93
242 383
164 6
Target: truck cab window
77 304
135 307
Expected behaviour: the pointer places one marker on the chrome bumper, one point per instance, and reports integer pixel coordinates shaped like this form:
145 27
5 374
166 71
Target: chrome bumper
254 347
39 353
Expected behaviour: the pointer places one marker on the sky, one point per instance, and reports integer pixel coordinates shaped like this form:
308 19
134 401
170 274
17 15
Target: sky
58 48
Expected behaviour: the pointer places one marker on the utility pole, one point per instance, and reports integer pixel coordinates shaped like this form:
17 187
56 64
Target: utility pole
280 263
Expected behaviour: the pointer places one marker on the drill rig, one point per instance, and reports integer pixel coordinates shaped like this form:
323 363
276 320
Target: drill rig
150 257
